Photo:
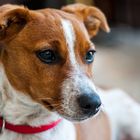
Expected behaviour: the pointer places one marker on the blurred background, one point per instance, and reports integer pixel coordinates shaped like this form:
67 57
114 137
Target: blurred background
117 62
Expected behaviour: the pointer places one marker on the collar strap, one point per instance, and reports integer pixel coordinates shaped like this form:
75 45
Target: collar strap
26 129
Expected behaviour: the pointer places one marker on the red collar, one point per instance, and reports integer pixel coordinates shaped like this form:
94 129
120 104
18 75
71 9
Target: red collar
25 129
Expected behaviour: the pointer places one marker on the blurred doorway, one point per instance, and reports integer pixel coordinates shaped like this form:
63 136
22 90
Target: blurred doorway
121 11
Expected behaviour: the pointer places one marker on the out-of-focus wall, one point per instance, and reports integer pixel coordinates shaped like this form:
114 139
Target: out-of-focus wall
38 4
121 11
88 2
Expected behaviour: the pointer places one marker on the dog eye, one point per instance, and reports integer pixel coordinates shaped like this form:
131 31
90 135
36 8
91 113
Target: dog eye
90 56
47 56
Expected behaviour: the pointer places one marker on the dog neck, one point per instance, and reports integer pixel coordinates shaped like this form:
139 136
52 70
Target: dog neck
18 109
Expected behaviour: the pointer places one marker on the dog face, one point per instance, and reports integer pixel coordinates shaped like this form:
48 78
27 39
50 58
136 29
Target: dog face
48 55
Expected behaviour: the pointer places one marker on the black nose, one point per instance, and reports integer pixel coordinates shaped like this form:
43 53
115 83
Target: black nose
89 103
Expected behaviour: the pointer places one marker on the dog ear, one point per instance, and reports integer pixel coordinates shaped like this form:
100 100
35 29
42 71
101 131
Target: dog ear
92 17
12 20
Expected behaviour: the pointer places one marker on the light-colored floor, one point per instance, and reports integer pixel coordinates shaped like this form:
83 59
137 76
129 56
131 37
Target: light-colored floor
117 62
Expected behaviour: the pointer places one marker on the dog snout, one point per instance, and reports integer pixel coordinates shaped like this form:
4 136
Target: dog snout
89 103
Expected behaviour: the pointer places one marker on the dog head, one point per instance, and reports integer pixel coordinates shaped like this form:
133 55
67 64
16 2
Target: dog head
48 56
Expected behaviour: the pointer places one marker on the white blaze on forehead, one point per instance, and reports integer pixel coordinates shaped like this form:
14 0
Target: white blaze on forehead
77 83
70 38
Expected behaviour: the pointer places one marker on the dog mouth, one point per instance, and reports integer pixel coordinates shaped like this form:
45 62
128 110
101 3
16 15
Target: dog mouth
80 117
75 115
48 105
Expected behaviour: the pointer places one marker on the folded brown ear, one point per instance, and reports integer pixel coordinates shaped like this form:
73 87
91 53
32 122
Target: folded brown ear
92 17
12 20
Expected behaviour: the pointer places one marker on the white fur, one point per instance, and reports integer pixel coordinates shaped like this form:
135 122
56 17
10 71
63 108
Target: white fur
71 89
17 108
123 113
77 83
70 39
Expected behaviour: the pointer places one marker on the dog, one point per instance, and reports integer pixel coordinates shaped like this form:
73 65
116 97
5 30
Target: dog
46 79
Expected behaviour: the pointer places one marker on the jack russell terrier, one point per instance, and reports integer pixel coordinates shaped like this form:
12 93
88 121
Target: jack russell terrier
46 59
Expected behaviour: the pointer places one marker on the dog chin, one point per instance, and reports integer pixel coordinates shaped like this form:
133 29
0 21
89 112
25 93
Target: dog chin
79 117
76 119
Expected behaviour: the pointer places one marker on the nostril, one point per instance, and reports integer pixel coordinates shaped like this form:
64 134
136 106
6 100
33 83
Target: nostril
89 102
84 102
87 106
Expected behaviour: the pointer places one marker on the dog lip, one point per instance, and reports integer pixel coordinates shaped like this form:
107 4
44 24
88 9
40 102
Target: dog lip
97 109
47 104
92 112
74 119
81 118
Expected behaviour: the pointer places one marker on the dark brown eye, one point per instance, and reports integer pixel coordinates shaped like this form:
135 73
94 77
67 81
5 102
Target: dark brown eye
89 58
47 56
